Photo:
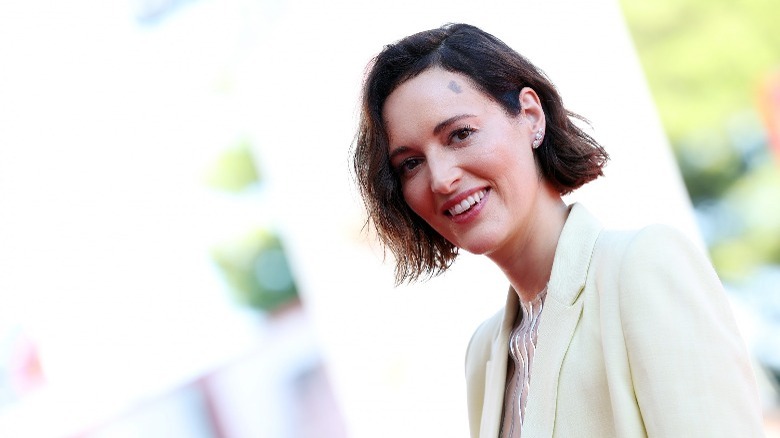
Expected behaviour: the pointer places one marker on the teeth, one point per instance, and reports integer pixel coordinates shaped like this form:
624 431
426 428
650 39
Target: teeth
467 203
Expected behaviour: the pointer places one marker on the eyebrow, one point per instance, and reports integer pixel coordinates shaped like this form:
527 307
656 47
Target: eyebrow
449 121
436 131
398 151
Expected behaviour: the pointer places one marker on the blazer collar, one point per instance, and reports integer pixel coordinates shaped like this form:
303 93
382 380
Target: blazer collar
559 318
572 255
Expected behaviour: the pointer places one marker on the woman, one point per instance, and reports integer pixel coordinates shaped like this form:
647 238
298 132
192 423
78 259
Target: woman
464 144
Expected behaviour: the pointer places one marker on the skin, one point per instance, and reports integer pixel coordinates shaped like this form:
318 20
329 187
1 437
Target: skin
449 141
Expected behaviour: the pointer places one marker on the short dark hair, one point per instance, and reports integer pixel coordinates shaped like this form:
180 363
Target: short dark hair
567 158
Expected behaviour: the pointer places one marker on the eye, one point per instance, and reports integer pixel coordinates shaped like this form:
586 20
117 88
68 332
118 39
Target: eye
408 165
461 134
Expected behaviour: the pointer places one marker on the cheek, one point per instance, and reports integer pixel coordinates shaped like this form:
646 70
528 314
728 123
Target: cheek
415 197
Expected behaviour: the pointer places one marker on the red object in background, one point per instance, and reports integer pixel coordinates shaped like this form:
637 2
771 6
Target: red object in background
769 106
24 368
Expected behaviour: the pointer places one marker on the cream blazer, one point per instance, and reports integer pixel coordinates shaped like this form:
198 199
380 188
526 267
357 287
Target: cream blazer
636 339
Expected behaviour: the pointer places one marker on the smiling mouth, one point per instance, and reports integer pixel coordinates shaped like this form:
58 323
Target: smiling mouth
466 204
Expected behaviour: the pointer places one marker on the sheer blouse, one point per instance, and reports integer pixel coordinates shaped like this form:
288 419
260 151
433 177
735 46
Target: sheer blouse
522 344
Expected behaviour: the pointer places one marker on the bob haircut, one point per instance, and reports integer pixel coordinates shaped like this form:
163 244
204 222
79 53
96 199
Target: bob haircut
567 158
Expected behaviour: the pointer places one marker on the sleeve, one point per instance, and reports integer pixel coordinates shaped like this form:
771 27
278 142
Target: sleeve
689 366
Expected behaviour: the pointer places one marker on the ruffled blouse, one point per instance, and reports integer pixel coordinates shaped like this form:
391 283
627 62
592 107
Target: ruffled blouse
522 344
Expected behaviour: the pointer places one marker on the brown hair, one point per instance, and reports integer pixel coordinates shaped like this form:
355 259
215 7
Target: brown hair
567 158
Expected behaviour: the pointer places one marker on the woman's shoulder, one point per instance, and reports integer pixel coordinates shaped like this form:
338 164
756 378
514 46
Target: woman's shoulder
656 267
658 242
657 257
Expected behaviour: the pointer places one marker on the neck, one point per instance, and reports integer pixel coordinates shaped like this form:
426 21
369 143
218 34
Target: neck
528 263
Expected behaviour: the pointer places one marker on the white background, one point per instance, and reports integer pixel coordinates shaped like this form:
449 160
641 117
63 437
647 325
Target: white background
106 128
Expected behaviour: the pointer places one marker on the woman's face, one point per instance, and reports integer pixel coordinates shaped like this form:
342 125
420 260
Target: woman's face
466 167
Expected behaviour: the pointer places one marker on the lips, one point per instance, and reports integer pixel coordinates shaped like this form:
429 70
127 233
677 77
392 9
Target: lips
467 203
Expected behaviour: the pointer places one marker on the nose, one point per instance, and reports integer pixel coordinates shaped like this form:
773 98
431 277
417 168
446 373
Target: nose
445 174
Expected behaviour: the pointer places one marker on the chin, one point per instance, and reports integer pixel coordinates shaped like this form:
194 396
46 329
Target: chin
476 249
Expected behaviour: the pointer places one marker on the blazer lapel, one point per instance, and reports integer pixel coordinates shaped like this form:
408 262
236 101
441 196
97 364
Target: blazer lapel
552 342
561 313
495 373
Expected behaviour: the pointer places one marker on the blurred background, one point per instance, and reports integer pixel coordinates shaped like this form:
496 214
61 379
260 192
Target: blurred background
714 72
181 244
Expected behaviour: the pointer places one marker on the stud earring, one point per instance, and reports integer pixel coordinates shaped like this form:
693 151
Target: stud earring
538 138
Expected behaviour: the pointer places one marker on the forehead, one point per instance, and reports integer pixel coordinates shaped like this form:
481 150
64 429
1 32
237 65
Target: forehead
430 97
434 85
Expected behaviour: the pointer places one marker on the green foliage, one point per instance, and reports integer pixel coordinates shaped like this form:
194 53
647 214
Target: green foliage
704 61
234 170
256 268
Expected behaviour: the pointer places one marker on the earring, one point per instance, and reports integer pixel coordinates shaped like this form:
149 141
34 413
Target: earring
538 138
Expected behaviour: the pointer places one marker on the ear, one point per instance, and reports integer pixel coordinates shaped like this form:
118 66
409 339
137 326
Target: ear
531 109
